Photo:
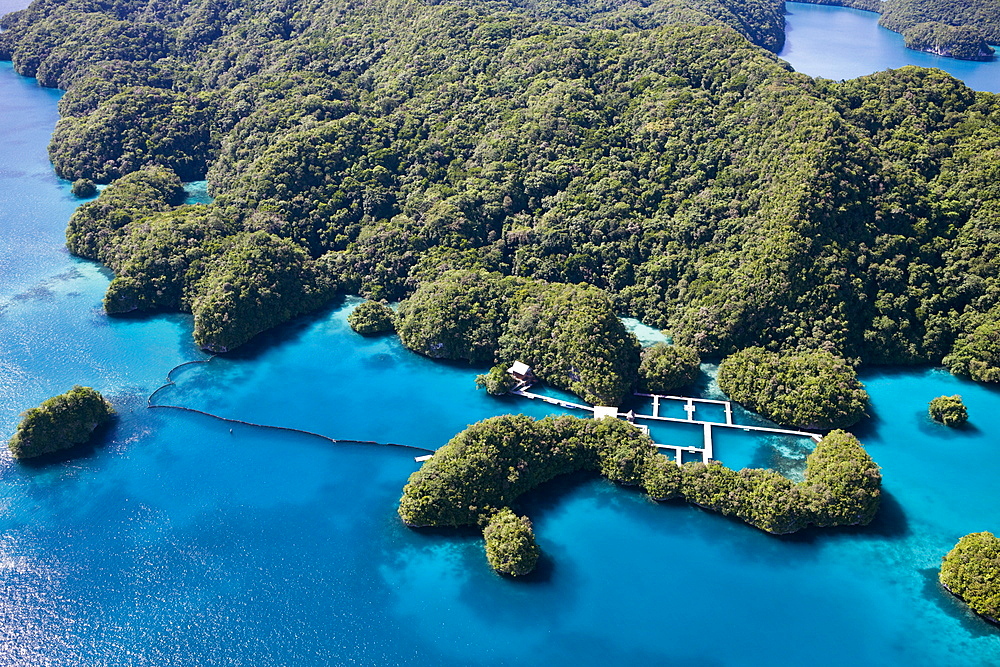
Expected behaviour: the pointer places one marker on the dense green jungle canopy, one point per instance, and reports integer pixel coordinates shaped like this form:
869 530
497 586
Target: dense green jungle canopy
60 422
983 16
971 571
962 42
814 390
682 169
949 410
568 334
488 466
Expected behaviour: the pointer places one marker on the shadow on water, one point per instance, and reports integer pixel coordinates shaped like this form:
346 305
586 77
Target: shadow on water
928 426
99 438
972 623
548 497
282 335
869 426
890 523
445 532
542 574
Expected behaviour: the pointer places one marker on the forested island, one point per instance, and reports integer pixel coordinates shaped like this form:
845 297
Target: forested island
683 171
60 422
962 29
814 390
971 572
371 318
482 471
948 410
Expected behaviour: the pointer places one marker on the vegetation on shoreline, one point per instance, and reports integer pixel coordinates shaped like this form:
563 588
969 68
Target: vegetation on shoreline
497 381
962 42
568 334
682 171
84 188
60 422
948 410
962 30
488 466
981 17
665 368
971 572
866 5
814 390
371 318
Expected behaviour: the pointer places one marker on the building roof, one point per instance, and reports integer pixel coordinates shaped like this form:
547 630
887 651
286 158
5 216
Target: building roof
519 368
602 411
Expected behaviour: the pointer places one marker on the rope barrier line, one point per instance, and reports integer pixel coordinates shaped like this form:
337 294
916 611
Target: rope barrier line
170 382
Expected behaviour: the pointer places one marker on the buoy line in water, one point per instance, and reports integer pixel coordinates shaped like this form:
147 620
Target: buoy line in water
170 382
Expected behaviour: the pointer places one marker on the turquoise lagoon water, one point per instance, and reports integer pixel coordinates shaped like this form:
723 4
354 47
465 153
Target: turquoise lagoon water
841 43
182 540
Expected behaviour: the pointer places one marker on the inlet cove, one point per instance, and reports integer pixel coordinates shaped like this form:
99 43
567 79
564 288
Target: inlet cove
479 333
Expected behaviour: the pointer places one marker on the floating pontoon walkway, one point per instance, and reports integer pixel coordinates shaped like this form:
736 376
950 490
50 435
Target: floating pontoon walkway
554 401
690 406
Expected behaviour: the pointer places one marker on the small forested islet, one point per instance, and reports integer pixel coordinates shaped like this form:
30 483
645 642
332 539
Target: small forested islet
949 410
60 422
371 318
510 543
814 390
971 571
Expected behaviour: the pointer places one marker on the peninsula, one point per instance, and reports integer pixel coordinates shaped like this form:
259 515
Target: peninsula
482 471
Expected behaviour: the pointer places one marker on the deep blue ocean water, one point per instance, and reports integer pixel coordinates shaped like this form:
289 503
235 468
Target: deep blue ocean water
841 43
177 541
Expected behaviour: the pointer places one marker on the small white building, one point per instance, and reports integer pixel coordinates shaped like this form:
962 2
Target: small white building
521 371
603 411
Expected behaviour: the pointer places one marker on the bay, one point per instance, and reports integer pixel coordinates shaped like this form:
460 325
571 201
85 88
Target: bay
841 43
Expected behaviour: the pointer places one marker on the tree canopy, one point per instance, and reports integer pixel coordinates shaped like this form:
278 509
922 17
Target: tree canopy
60 422
980 16
971 571
568 334
963 42
665 368
370 318
949 410
647 150
510 543
815 390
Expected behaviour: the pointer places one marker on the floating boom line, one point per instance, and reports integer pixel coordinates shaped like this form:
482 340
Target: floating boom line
170 382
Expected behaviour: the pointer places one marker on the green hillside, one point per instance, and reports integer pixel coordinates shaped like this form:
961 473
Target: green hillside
684 170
